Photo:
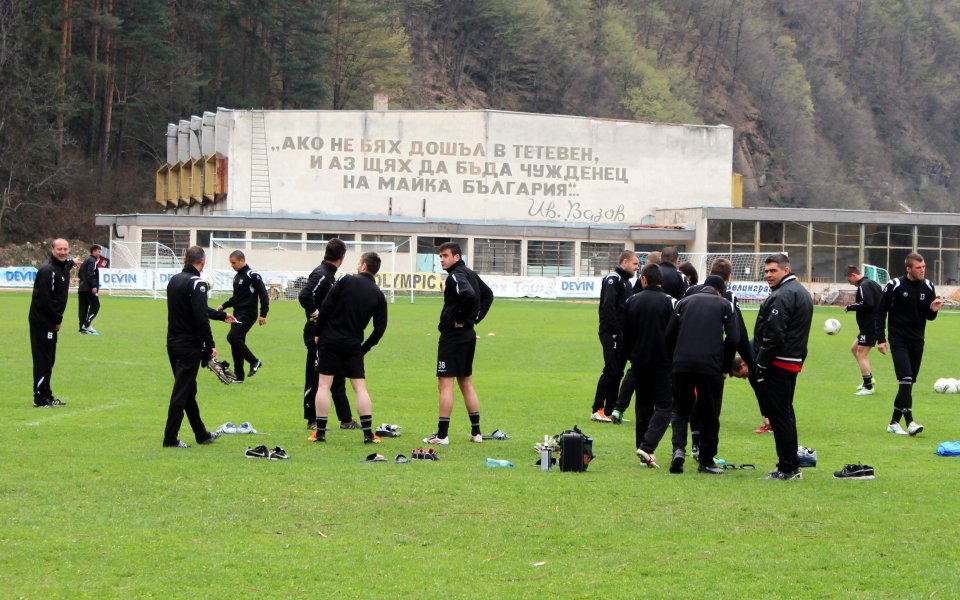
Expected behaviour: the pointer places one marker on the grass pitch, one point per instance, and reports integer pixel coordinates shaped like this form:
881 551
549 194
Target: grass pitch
92 506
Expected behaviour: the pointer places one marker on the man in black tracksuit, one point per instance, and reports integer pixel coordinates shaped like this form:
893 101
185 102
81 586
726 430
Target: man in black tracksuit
248 290
466 301
88 290
189 343
702 337
614 291
780 347
352 302
311 298
50 288
867 306
908 303
674 283
645 319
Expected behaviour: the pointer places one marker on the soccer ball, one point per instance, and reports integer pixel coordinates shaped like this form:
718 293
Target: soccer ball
951 386
831 326
940 386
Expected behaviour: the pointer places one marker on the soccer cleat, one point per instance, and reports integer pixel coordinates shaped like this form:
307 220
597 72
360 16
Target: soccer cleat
372 440
600 417
710 470
765 428
222 371
436 440
245 427
210 438
278 453
228 428
895 428
254 368
311 425
49 403
616 418
317 436
676 463
873 381
387 430
92 331
778 475
258 452
865 392
854 472
648 459
350 425
179 444
476 439
914 428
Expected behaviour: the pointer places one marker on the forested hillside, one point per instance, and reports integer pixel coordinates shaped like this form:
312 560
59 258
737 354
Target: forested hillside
849 103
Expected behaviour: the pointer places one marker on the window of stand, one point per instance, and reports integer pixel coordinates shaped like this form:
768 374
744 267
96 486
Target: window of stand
497 256
547 258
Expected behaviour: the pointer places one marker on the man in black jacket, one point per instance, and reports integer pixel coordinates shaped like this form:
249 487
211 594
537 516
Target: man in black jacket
50 288
311 298
702 337
908 303
674 283
645 319
780 346
248 291
466 301
88 290
352 302
189 343
614 291
867 306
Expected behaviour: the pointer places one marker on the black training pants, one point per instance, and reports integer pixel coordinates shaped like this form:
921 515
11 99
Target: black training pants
778 387
89 304
237 338
311 381
43 347
185 363
654 406
906 364
609 383
701 394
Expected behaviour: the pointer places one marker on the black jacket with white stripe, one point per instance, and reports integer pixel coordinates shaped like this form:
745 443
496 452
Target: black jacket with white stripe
188 314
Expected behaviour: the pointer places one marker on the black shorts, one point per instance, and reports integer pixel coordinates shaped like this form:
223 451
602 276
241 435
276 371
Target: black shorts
455 352
334 361
867 339
906 360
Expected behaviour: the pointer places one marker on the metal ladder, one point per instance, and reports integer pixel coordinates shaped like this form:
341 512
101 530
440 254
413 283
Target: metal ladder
260 199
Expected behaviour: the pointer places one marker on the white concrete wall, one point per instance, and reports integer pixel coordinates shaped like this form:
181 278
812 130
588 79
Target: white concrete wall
441 165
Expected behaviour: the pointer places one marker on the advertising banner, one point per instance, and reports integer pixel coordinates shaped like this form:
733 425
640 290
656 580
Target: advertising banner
19 277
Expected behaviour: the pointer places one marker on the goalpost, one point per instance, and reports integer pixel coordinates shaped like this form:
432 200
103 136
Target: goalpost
286 264
747 280
875 273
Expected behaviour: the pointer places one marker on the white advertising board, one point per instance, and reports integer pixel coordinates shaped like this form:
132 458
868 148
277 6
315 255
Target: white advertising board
483 166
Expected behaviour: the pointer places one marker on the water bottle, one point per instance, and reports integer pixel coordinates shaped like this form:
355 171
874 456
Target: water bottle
546 454
496 462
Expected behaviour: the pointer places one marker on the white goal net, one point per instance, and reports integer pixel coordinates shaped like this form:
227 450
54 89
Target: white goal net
286 264
747 280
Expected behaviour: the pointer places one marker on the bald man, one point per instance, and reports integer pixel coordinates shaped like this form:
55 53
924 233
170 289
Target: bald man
49 301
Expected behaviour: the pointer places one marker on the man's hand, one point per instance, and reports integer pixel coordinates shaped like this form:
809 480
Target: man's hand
95 290
56 327
231 319
937 304
262 321
882 347
220 308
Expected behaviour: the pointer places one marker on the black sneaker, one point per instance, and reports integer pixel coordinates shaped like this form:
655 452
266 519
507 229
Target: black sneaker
210 438
676 463
854 472
710 470
350 425
179 444
278 453
254 368
778 475
311 425
258 452
59 402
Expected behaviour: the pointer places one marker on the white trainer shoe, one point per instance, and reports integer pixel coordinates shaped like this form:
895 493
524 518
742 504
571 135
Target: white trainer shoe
895 428
648 459
600 417
476 439
914 428
865 392
434 440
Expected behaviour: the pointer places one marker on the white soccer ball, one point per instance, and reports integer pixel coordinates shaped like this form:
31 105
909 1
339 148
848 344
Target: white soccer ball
831 326
951 386
940 385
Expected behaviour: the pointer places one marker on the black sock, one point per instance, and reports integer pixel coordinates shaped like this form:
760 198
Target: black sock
896 416
908 415
366 421
443 426
868 382
695 438
321 425
474 423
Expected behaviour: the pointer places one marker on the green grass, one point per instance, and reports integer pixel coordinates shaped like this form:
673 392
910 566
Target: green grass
92 506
